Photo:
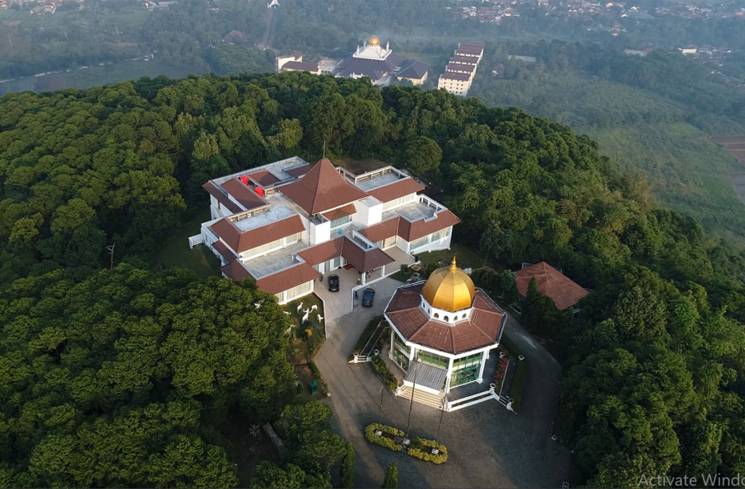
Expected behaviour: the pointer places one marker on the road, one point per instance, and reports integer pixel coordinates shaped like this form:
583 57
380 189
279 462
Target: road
488 446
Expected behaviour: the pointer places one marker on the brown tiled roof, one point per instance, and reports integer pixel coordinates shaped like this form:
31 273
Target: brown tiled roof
322 252
346 210
298 171
482 329
552 283
235 271
410 230
397 189
362 260
288 278
224 250
221 197
382 230
321 189
450 75
472 48
299 66
460 68
242 241
469 60
242 194
263 177
423 227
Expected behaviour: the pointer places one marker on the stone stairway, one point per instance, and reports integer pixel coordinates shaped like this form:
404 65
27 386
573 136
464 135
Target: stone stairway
422 397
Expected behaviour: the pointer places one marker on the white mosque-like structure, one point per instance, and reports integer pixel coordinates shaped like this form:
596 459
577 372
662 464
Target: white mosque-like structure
381 65
444 337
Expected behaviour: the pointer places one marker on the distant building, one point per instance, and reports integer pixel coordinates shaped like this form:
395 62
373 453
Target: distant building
461 69
414 71
294 62
380 64
688 51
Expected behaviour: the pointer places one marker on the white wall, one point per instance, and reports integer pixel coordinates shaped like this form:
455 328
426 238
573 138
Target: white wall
369 212
318 233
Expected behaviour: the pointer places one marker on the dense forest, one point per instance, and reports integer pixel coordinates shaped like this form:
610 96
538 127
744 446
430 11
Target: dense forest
653 363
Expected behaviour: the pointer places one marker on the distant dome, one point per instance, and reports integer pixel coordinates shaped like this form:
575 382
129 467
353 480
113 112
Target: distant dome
449 288
373 41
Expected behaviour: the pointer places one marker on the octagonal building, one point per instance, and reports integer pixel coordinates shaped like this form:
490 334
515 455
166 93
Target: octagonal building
444 332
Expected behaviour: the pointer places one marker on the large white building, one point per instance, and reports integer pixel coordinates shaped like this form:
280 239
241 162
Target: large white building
461 69
288 222
381 65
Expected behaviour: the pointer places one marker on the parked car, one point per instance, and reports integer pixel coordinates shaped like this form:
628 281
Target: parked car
368 296
333 283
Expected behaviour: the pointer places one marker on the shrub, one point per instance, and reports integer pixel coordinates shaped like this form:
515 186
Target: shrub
382 440
347 468
391 477
422 449
385 375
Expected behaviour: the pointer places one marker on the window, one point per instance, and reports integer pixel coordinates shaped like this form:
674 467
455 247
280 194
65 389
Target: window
299 290
432 359
400 352
466 370
419 243
341 221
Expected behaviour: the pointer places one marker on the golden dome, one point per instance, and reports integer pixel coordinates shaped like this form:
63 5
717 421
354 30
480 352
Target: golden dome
373 41
449 288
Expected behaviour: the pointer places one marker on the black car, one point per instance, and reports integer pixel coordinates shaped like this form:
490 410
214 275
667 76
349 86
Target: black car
333 283
368 296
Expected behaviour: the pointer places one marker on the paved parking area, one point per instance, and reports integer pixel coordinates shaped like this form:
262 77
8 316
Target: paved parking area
340 304
488 446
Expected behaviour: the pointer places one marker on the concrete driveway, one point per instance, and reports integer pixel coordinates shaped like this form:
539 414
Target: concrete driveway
337 305
488 446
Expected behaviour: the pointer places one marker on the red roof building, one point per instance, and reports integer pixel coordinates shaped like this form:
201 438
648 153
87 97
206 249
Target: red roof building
551 283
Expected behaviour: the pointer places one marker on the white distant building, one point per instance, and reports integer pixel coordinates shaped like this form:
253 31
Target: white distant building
461 69
294 62
381 65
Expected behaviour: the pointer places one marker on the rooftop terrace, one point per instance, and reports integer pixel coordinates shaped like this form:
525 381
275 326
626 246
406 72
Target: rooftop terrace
377 179
274 261
413 211
278 208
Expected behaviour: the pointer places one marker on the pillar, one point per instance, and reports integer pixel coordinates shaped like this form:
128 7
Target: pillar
484 357
390 350
448 375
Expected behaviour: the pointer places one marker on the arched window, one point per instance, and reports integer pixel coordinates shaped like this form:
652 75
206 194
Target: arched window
437 316
446 318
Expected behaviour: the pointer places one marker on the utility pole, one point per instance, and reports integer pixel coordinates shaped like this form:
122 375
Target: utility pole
442 414
110 249
323 154
411 404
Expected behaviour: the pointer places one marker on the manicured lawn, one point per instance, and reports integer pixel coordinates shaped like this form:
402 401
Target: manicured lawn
176 252
466 257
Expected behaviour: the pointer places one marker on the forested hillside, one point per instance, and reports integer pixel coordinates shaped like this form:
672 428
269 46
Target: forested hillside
654 115
653 365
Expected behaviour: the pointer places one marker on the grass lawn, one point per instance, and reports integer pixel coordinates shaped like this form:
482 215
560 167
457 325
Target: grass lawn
176 252
466 257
